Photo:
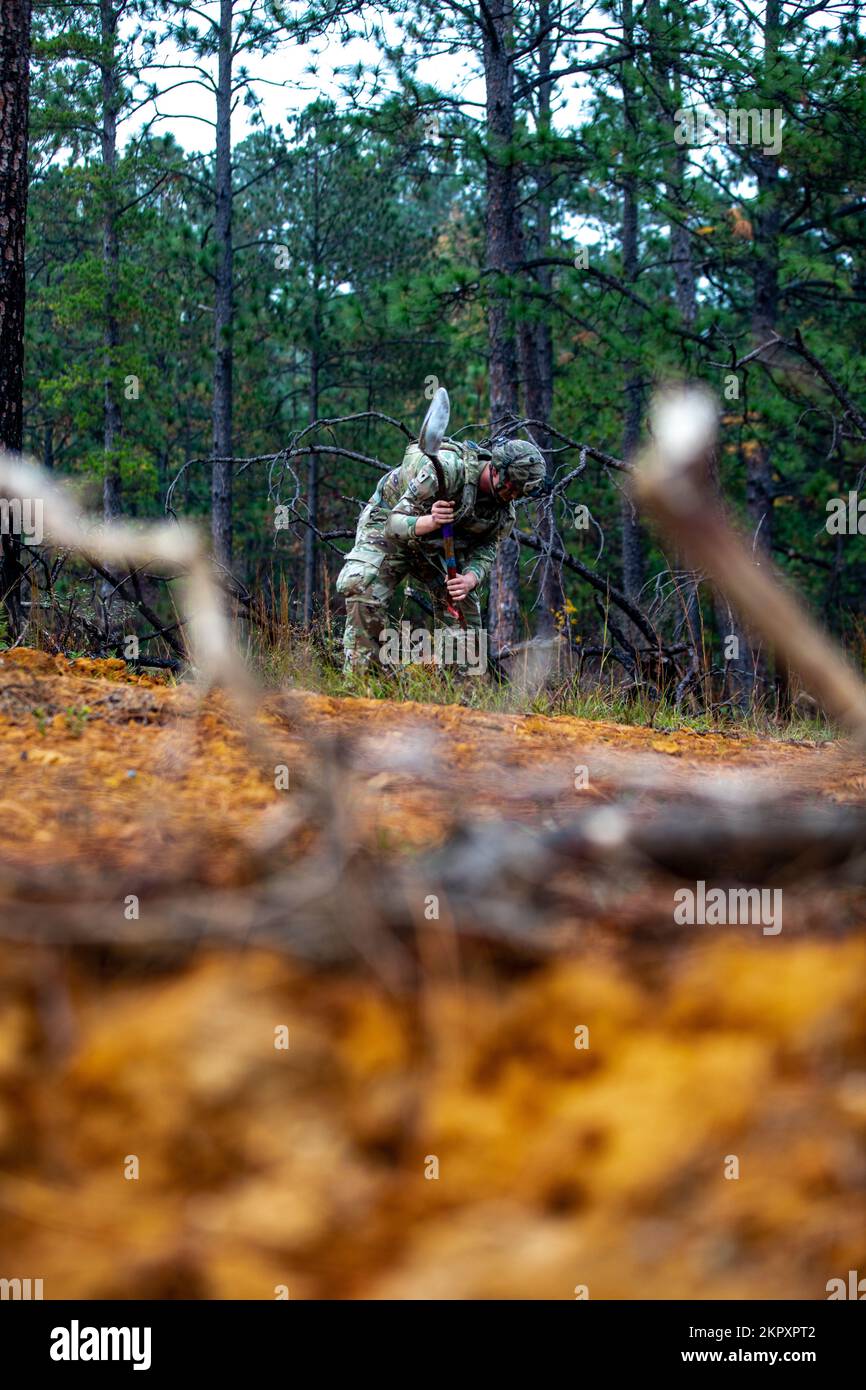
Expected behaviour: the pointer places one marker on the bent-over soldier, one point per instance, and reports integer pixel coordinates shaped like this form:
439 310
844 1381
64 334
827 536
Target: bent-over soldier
398 535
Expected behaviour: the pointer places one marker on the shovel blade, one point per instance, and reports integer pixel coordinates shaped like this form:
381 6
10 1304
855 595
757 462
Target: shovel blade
435 423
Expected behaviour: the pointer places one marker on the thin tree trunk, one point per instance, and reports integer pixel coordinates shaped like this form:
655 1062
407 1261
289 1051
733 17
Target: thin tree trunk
310 547
536 349
15 18
503 258
681 242
752 666
685 297
632 531
669 86
111 487
221 494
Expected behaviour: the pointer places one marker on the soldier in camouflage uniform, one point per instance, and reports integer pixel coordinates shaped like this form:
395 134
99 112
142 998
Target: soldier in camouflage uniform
398 535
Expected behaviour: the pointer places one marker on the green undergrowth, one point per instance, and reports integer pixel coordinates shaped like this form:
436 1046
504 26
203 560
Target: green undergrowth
311 664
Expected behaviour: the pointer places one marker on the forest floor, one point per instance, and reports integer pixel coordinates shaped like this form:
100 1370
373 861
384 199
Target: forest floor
221 1078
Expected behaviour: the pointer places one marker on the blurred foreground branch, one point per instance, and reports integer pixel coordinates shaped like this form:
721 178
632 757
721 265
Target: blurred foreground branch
672 482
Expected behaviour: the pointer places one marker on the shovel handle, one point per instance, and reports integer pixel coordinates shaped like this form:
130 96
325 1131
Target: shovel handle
447 534
451 566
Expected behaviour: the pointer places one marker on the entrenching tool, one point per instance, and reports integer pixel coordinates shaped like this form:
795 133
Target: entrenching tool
430 442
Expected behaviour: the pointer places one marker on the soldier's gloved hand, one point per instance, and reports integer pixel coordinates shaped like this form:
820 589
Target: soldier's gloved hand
461 585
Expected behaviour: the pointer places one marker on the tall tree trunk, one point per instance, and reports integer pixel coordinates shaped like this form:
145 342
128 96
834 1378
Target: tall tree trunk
536 344
221 491
665 32
503 259
632 532
15 18
752 666
310 548
685 297
310 538
111 487
681 242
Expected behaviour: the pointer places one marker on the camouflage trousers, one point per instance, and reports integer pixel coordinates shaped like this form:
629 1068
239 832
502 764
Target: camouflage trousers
368 581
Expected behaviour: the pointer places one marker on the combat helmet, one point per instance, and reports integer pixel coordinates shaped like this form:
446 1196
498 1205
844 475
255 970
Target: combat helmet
521 463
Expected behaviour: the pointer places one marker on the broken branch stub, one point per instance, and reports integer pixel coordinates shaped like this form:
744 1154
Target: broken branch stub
672 482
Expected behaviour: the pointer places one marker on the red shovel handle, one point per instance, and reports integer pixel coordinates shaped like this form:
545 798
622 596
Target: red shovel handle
451 566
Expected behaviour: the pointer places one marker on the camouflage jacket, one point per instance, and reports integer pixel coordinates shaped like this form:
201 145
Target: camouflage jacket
409 491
